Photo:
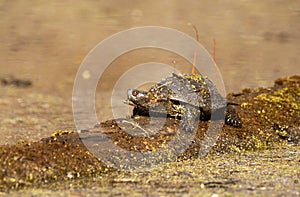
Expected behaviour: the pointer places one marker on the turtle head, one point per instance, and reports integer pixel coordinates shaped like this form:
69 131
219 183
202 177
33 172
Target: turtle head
137 97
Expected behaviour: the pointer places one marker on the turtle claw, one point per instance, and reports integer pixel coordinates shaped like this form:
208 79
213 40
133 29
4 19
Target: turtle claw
232 118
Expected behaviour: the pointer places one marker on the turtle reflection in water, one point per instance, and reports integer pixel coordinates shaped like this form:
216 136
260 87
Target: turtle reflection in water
183 96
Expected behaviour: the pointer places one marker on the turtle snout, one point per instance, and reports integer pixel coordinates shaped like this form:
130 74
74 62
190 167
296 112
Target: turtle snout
132 94
135 95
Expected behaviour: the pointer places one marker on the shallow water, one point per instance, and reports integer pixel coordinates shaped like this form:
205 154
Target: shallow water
257 41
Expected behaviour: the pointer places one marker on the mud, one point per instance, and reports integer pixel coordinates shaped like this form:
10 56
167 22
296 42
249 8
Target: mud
262 156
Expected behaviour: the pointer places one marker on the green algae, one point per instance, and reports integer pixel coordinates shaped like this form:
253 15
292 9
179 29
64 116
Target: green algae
282 98
270 118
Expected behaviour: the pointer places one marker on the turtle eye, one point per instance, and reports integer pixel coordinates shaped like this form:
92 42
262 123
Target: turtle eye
135 93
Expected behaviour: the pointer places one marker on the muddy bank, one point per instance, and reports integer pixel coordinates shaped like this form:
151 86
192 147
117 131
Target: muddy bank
270 120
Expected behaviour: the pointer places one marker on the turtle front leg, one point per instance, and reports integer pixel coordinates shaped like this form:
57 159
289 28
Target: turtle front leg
140 111
188 119
231 117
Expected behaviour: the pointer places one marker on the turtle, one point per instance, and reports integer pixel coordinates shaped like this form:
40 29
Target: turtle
186 96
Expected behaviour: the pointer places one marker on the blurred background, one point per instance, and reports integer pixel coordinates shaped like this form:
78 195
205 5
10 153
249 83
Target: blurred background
46 41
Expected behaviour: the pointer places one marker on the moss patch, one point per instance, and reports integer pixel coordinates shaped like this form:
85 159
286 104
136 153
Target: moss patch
270 120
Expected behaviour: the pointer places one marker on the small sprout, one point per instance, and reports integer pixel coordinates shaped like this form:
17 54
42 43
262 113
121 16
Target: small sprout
235 148
30 176
22 142
61 132
70 175
245 104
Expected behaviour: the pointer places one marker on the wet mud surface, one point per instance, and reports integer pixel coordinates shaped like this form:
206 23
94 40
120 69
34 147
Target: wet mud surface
261 157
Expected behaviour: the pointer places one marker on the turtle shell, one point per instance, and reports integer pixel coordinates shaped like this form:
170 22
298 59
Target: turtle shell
183 95
192 89
170 95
